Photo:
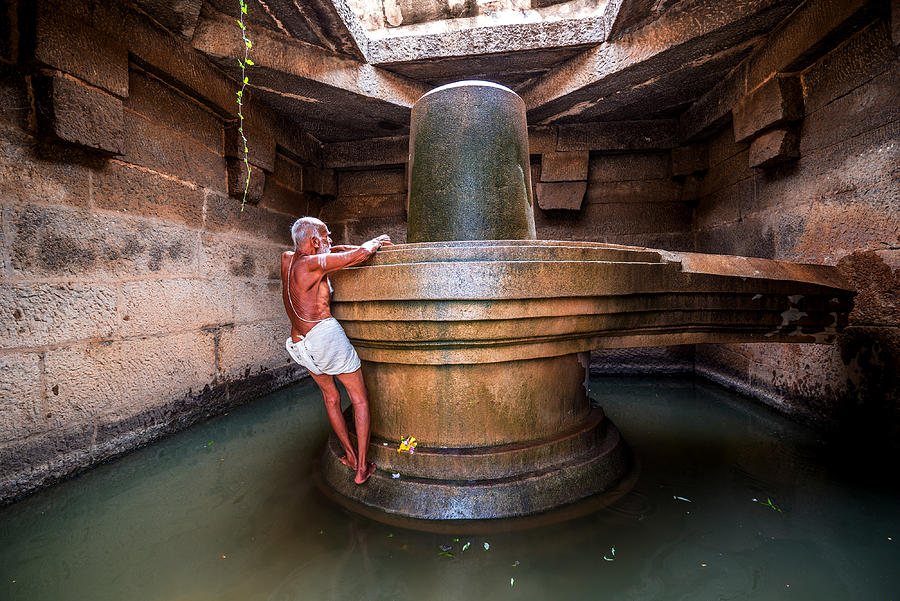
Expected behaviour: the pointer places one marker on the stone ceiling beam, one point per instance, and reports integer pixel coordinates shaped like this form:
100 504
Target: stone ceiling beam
790 47
684 34
305 73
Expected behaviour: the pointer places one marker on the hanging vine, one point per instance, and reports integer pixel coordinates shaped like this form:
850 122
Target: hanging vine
244 63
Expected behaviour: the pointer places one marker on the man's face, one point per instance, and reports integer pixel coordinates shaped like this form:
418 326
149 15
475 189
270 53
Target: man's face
324 241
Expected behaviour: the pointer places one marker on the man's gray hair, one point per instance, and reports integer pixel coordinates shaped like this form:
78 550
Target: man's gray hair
304 229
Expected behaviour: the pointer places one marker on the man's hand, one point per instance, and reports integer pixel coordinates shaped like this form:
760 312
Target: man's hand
375 243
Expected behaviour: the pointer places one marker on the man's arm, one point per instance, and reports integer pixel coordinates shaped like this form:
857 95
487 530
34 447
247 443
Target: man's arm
339 248
338 260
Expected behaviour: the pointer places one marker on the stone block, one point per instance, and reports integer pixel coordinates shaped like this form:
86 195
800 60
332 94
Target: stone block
13 96
319 181
871 105
21 396
775 102
152 145
64 42
750 237
628 167
640 191
687 160
51 173
690 189
564 166
260 138
180 18
618 136
152 307
278 197
87 380
225 216
371 182
895 21
541 139
560 195
223 257
50 241
603 219
356 207
366 153
774 147
259 302
875 276
79 114
849 66
133 191
248 349
35 315
237 181
287 172
155 99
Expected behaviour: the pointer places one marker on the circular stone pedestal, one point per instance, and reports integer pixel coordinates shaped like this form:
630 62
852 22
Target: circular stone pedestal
496 440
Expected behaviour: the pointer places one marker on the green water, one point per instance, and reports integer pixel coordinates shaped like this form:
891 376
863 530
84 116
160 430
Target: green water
228 511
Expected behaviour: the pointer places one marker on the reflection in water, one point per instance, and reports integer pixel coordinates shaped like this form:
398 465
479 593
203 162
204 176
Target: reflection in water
228 510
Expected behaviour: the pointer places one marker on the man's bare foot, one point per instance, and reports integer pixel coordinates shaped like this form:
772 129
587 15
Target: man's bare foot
349 462
361 477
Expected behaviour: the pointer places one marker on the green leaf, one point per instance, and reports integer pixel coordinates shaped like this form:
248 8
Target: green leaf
250 62
243 8
246 80
240 93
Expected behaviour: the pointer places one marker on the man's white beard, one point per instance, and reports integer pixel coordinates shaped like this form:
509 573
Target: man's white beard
324 249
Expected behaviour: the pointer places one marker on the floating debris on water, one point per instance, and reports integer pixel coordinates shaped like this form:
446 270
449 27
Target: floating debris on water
390 535
512 582
612 553
768 503
487 546
686 500
466 546
209 444
447 554
515 563
395 475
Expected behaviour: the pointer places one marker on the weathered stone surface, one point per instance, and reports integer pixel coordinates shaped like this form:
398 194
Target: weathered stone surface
57 241
35 315
71 45
160 102
618 136
371 182
541 139
91 378
278 197
560 195
259 302
640 191
13 97
225 216
564 166
287 172
319 181
237 181
628 167
57 175
895 21
366 153
876 277
364 207
221 258
848 66
153 307
80 114
687 160
247 349
259 133
654 360
134 191
171 153
777 101
774 147
178 17
21 396
750 237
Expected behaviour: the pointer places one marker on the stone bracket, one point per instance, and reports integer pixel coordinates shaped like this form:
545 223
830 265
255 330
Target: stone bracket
80 114
237 178
775 102
776 146
560 195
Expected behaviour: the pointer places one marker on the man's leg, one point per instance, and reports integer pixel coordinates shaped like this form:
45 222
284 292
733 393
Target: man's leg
333 408
356 388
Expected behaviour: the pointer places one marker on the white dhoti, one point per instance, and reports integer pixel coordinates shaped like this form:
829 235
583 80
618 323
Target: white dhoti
324 350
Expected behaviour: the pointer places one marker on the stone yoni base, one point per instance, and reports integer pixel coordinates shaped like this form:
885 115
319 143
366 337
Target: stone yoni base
494 482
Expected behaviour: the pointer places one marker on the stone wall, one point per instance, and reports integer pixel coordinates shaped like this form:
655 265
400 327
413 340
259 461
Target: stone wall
834 198
136 296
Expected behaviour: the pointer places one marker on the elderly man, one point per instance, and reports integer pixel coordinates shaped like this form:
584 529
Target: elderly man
318 341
